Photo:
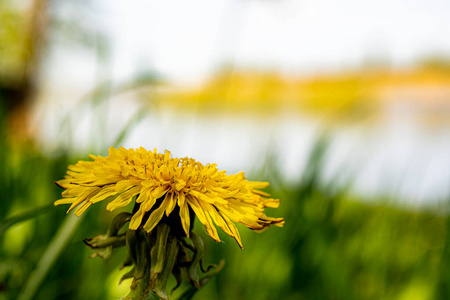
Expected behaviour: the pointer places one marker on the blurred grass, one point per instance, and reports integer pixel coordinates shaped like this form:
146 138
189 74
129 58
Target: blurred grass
334 245
337 246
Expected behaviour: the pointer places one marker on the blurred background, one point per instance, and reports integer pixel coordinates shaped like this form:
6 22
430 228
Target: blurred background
344 107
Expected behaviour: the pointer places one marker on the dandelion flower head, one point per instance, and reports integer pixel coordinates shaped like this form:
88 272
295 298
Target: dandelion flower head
161 185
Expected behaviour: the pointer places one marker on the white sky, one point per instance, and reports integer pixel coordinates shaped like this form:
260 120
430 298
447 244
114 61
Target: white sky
187 40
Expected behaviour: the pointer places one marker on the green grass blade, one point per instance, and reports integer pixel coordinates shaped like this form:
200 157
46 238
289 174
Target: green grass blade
49 257
4 225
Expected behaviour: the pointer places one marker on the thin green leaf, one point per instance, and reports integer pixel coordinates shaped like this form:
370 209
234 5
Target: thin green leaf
49 257
4 225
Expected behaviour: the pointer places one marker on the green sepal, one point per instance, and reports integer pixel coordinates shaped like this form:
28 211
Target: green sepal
158 251
197 242
142 252
190 290
127 262
176 271
127 275
160 283
111 239
105 244
118 222
102 241
131 244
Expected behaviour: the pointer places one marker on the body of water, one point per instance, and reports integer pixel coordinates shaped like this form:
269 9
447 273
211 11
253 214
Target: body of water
395 154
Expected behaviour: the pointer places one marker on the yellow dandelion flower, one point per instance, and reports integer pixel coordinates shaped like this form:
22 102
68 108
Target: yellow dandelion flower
166 186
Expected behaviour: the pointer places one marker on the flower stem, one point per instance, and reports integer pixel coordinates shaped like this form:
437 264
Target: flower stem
142 290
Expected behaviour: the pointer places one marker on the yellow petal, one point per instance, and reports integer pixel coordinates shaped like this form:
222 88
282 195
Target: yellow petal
92 191
124 185
103 194
273 203
64 183
234 230
185 218
123 199
261 193
156 216
136 220
159 192
144 195
181 199
172 202
258 184
222 223
180 184
193 203
82 208
65 201
207 199
203 216
210 228
147 202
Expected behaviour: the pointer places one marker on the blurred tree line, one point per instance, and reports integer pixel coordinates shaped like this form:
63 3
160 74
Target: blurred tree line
29 32
23 33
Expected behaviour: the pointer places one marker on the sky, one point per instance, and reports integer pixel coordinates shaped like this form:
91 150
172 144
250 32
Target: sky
186 41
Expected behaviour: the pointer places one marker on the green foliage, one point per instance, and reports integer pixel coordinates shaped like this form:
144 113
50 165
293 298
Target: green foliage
333 246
